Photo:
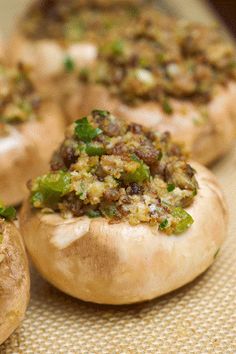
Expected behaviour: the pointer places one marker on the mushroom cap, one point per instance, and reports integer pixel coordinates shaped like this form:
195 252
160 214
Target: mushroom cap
26 151
95 261
15 281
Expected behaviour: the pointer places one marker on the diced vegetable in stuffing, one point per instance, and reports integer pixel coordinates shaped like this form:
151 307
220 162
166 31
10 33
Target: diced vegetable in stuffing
144 55
8 213
50 188
122 172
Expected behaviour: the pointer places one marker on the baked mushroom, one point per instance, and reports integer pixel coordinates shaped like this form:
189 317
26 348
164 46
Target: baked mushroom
168 75
14 275
139 64
122 217
30 128
54 37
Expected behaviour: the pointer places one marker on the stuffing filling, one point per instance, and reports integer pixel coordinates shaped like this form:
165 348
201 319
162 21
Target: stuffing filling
160 59
143 54
74 20
123 172
19 102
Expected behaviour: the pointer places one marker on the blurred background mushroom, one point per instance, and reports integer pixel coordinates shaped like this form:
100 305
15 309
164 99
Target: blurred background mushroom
206 11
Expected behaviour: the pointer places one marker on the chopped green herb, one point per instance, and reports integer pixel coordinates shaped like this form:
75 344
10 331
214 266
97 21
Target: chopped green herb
69 64
163 225
94 150
1 239
170 187
8 213
85 131
184 220
167 107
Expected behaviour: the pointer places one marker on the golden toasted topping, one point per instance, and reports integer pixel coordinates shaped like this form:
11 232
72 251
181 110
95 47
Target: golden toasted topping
108 168
143 55
160 58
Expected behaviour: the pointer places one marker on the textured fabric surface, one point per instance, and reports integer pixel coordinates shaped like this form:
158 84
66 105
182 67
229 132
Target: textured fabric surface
198 318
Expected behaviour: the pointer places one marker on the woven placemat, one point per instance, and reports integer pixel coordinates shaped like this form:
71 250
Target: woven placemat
198 318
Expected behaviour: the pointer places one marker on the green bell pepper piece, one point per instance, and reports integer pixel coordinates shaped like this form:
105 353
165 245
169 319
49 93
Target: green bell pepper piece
85 131
184 220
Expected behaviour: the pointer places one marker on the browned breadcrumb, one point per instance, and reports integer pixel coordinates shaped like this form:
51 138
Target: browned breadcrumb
107 167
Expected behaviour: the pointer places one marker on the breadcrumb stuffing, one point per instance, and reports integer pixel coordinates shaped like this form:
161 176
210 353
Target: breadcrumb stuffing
140 177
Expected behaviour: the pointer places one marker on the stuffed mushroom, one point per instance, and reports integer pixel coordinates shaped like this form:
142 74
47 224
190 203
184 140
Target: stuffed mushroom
122 216
55 37
142 65
167 75
30 128
14 275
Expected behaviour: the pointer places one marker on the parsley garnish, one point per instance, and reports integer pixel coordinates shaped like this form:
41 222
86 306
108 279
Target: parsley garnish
69 64
8 213
163 225
85 131
170 187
